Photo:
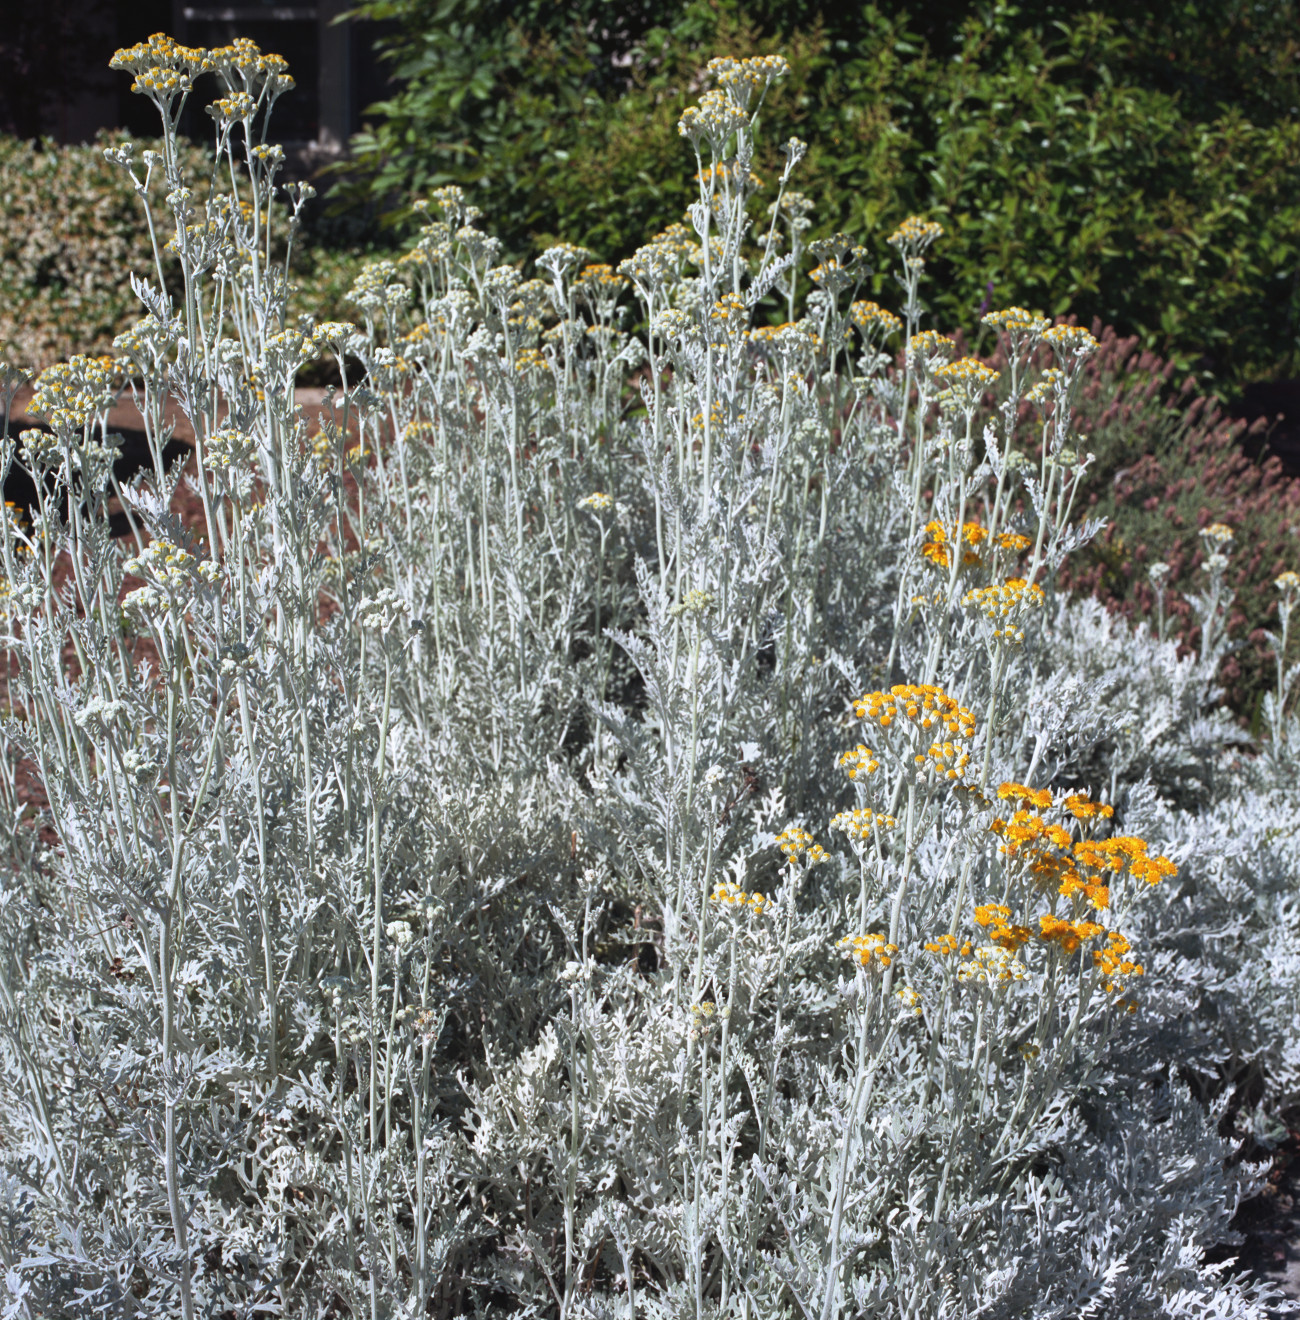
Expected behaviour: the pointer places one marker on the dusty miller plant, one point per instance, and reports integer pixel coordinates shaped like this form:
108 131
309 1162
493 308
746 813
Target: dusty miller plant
617 819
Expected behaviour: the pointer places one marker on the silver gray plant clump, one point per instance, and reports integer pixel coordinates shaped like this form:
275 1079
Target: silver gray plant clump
530 854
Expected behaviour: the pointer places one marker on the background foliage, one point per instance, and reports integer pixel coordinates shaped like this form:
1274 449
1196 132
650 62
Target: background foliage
1170 462
70 224
1130 163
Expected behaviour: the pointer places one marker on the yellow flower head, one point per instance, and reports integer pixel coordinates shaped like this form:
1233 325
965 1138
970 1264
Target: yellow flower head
1006 605
792 841
992 965
915 234
915 705
861 823
873 319
1114 965
860 760
1067 935
936 549
873 952
1017 322
1070 341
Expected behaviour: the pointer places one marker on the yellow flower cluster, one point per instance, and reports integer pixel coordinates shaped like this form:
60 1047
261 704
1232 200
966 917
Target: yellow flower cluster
728 320
1124 851
1219 533
745 76
1026 827
965 381
167 563
162 66
1082 807
946 945
716 118
227 448
796 336
909 999
861 822
1070 340
835 271
871 318
161 51
991 964
1006 604
1288 581
1113 964
1045 390
859 760
731 895
923 705
694 601
1067 935
703 1018
930 346
948 759
1038 798
1012 541
1016 321
792 841
717 415
996 917
915 234
1082 868
871 951
597 502
936 548
70 393
245 57
601 276
334 334
233 108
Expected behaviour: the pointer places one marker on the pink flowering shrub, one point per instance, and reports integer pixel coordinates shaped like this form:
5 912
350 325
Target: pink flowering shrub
1170 462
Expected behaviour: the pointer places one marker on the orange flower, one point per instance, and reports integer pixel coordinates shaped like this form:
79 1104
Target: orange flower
1034 797
1081 806
1069 935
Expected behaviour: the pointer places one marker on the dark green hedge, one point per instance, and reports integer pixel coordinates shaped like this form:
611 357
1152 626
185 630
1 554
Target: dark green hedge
1138 164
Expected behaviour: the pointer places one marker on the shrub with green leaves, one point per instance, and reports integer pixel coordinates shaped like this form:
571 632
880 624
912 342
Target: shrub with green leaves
1132 164
71 223
600 824
69 226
